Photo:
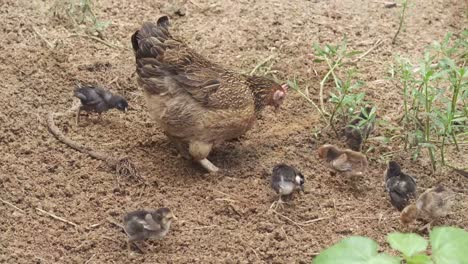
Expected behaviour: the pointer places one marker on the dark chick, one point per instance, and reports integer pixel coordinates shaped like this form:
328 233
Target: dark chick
400 186
98 100
355 134
141 225
285 180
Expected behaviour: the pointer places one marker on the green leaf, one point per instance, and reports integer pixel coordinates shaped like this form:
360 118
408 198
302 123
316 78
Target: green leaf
449 245
427 145
408 244
354 250
353 52
419 259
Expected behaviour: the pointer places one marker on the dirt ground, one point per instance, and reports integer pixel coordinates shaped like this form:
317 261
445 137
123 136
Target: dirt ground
222 218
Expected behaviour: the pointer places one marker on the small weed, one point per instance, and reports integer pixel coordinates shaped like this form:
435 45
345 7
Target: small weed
80 12
346 103
402 19
434 98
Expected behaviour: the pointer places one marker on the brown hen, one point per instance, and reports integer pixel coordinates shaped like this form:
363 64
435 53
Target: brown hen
196 102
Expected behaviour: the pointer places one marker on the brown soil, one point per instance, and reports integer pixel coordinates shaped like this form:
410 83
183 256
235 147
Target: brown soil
222 218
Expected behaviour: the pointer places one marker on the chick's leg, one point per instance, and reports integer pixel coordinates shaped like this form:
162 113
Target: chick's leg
279 203
78 113
199 151
427 226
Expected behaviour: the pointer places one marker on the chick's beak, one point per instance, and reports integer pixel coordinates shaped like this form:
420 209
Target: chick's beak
125 109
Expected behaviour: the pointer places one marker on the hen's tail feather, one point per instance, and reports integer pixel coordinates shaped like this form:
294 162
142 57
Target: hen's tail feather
152 36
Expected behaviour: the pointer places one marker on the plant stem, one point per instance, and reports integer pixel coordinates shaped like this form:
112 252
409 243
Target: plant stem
456 92
427 121
338 106
322 83
402 18
312 103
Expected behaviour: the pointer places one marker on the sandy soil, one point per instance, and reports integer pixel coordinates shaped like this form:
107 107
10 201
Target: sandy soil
222 218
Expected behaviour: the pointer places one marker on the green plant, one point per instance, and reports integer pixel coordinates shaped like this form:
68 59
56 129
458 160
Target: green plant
434 97
346 102
402 19
448 246
364 123
80 12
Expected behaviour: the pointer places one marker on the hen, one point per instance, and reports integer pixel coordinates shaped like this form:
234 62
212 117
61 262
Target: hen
196 102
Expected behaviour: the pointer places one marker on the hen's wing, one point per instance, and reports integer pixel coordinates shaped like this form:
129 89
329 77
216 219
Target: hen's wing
167 65
342 163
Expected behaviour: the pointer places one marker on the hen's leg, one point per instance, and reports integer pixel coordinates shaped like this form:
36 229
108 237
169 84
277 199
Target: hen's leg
208 165
199 151
181 147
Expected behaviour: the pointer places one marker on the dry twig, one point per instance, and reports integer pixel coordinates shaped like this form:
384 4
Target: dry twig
57 217
12 205
122 166
114 222
376 44
110 45
49 45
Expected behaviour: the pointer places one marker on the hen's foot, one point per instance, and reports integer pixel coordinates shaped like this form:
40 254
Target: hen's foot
210 167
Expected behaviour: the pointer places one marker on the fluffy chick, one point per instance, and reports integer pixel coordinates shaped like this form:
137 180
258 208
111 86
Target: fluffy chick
400 186
285 180
141 224
354 134
346 162
98 100
433 204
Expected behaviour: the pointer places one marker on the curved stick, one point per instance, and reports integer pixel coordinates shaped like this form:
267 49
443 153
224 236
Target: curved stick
123 166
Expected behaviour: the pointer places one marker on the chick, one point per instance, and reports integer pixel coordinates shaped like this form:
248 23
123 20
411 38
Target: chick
433 204
285 180
140 225
346 162
99 100
400 186
354 134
